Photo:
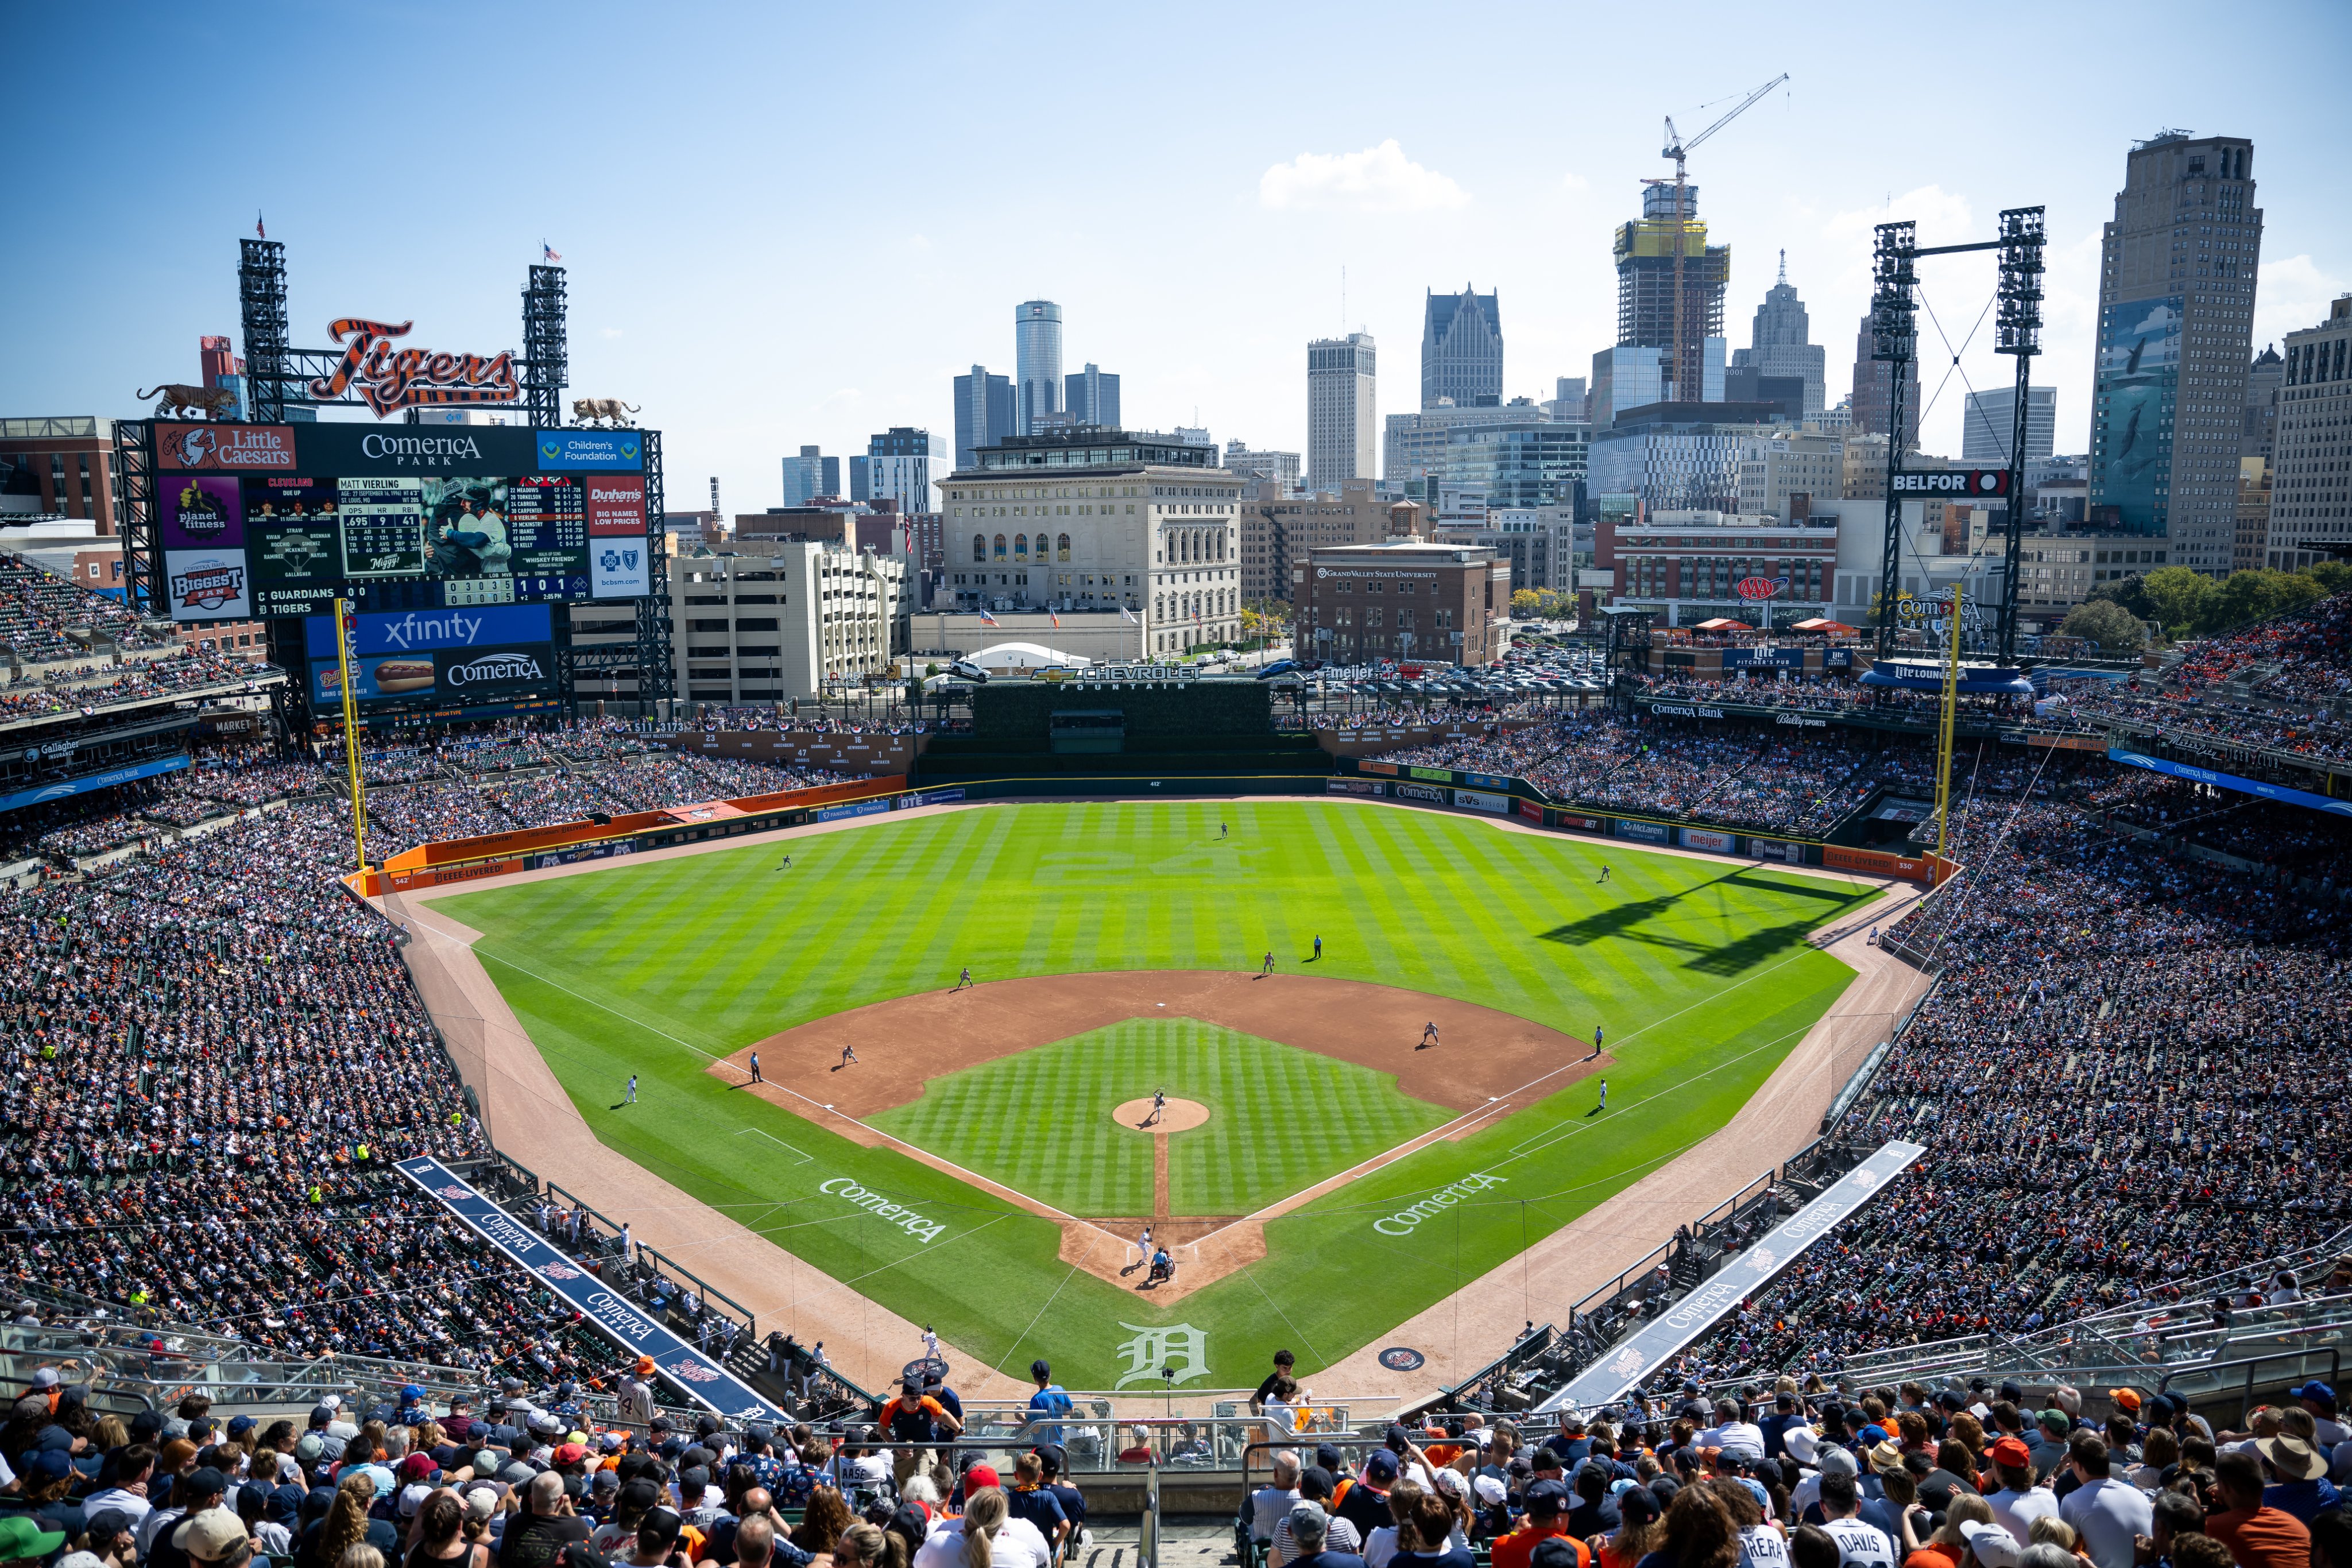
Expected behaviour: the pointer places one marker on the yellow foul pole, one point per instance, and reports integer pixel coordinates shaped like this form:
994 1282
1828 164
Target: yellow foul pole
352 732
1944 740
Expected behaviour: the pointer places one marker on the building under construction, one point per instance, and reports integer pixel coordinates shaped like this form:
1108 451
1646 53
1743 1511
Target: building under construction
1645 282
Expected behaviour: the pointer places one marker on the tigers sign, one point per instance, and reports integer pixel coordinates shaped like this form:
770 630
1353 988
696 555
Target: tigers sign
389 379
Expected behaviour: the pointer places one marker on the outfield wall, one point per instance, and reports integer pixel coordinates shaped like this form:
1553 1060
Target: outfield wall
1496 795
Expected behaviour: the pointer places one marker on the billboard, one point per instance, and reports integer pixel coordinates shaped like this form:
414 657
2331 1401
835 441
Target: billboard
445 663
283 519
2132 409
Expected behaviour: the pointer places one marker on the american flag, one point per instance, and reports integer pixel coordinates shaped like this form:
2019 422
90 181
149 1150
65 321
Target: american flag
258 232
548 252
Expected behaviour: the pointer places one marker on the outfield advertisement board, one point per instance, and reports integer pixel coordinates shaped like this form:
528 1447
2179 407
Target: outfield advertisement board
1645 832
284 519
2219 780
607 1309
1712 840
1355 785
853 809
1777 849
1649 1348
442 664
1480 801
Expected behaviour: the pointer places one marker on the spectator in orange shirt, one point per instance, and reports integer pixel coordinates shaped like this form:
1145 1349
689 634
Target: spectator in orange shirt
2257 1536
1547 1519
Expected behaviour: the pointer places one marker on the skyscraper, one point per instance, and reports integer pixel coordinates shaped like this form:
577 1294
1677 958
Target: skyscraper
1874 393
1645 288
984 412
1991 419
2311 493
809 476
1037 359
1342 412
899 465
2176 333
1781 343
1091 396
1461 350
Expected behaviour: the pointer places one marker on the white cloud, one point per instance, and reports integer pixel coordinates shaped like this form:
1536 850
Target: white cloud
608 331
1378 179
2293 294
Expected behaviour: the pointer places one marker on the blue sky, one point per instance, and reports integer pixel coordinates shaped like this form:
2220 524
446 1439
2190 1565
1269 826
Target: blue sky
795 223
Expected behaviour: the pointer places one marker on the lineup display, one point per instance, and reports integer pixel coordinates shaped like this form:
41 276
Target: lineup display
266 520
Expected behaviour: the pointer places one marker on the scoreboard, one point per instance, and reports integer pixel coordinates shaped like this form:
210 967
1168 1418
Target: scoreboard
270 520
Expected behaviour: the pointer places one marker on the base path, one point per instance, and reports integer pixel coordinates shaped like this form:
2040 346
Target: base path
902 1042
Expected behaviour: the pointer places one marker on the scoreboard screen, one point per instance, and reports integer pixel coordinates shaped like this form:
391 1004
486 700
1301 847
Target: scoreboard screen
266 520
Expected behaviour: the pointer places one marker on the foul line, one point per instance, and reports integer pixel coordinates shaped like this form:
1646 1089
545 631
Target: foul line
805 1158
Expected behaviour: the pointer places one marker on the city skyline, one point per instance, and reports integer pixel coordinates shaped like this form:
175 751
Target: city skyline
669 288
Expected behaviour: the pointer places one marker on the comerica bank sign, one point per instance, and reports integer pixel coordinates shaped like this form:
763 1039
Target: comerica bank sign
1406 1220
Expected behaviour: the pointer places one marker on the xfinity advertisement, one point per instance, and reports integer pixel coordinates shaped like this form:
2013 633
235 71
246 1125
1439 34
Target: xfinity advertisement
439 663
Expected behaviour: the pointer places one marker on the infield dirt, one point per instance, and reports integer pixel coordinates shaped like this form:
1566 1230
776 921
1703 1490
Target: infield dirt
1482 1063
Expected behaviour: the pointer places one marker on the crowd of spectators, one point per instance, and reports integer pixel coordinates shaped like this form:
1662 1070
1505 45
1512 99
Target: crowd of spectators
2294 839
1727 773
78 691
38 609
2304 656
2123 1077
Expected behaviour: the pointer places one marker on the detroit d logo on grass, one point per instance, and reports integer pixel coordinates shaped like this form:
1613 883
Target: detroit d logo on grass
1180 1347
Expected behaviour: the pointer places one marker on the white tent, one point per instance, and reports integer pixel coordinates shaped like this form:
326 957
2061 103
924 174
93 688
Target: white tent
1021 658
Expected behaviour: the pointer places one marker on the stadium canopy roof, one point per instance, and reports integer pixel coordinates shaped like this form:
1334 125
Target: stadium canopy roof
1025 656
1927 675
1823 624
1723 624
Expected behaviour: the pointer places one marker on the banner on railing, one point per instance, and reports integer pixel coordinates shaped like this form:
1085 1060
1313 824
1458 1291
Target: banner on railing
621 1320
1631 1360
2219 780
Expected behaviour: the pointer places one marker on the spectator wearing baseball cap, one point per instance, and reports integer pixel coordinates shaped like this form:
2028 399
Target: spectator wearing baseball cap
1316 1485
1365 1506
1593 1510
2019 1497
1308 1528
2320 1399
1548 1519
24 1539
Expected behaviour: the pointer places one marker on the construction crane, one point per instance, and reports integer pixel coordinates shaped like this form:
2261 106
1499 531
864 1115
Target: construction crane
1685 367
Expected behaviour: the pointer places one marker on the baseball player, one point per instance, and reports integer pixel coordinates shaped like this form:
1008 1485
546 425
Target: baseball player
1143 1248
1222 830
930 1343
755 1069
1604 877
1428 1033
787 865
848 1056
631 1098
1159 1107
1267 968
1605 1096
965 979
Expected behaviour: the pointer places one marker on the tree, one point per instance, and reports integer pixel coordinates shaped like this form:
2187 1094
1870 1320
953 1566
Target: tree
2174 595
1526 604
2333 576
2256 594
2107 624
2129 592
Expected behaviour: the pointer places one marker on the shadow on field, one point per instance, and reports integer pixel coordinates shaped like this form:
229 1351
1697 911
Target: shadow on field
1710 959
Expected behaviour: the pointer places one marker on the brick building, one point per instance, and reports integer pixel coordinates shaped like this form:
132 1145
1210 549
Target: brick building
67 462
1277 530
1403 600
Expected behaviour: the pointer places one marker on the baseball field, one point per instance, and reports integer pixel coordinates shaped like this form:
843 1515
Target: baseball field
1354 1134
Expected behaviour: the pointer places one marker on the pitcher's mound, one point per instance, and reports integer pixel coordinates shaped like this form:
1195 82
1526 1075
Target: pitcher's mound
1179 1116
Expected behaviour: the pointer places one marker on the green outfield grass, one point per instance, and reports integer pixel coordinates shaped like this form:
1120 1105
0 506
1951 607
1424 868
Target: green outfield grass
1280 1119
1699 970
